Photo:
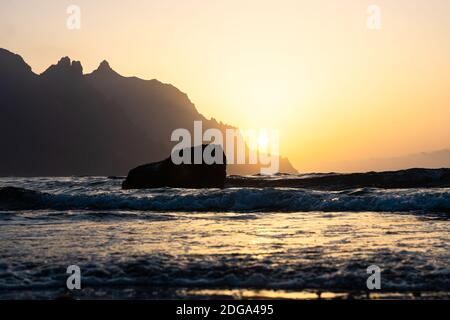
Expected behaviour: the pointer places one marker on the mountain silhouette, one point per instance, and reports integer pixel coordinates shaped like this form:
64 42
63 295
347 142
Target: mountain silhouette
63 122
431 159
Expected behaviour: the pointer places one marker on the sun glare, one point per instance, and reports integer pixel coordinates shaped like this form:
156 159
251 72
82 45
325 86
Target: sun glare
263 141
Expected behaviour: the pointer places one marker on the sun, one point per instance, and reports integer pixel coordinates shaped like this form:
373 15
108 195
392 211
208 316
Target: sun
263 141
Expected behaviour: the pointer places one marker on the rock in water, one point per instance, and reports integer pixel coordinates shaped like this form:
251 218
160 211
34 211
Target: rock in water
167 174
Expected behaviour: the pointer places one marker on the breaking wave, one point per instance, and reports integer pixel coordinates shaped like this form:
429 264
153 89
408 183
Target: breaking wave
228 200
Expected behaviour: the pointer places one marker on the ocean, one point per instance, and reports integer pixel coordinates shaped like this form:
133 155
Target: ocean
237 242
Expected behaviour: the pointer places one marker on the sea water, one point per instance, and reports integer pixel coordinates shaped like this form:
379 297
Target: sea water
230 243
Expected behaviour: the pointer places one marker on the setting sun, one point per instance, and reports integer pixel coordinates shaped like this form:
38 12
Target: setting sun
263 141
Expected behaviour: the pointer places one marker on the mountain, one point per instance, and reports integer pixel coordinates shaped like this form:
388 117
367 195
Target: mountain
63 122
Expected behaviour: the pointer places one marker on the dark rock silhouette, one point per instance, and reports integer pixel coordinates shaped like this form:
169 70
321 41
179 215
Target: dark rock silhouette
63 123
167 174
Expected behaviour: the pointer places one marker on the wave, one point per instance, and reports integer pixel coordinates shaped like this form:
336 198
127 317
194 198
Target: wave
410 178
231 200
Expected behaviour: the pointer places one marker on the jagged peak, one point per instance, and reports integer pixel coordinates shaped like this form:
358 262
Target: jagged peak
65 66
64 61
104 65
77 67
104 69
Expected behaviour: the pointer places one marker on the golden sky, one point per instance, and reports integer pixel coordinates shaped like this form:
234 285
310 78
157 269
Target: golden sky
337 90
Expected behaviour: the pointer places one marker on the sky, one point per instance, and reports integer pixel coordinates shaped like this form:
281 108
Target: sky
338 91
